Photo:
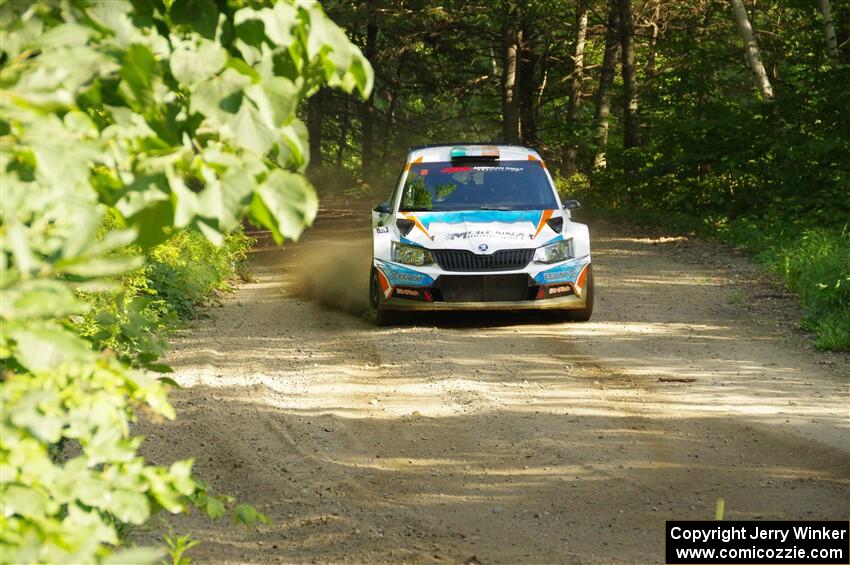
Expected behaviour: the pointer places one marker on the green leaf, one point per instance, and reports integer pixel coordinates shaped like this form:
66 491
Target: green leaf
138 71
285 203
214 508
199 15
246 514
39 413
190 64
40 299
64 35
129 506
23 501
41 349
225 200
251 131
219 97
278 22
100 267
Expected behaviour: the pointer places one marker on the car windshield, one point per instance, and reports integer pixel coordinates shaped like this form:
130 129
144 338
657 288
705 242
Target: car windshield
501 185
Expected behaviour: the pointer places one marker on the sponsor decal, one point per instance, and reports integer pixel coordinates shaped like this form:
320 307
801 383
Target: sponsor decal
487 234
562 273
500 169
382 229
407 291
559 289
399 275
409 277
451 170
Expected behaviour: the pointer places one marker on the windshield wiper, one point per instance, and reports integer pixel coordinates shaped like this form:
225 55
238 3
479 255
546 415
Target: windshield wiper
417 209
500 208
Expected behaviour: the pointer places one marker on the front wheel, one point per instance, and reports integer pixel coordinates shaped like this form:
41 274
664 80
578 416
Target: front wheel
377 314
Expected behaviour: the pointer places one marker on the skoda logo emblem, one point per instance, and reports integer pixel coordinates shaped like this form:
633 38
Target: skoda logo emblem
483 247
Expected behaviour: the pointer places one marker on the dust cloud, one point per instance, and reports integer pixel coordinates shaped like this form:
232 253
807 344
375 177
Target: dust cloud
336 274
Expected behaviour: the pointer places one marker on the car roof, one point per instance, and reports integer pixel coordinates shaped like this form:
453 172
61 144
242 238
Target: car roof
443 151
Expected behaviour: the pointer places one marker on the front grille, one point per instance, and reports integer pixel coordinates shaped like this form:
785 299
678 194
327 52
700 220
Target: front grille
461 260
484 288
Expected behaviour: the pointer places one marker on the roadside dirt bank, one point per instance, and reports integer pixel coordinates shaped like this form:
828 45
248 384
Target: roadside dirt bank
502 438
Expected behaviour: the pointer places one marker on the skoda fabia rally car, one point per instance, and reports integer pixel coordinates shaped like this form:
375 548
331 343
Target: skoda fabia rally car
478 227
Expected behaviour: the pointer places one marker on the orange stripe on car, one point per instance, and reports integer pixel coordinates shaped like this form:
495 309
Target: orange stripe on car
543 217
582 277
417 223
417 160
533 158
385 284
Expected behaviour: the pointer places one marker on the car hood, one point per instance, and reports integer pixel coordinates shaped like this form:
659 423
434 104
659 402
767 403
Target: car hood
482 231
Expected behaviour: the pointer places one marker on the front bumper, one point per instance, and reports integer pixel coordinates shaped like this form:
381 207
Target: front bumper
558 287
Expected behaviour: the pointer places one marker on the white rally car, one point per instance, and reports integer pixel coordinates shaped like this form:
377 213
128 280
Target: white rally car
478 227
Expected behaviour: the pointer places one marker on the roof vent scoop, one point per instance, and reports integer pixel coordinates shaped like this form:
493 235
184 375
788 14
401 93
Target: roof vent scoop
557 224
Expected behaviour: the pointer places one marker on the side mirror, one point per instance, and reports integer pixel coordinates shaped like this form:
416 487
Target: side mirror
572 205
382 208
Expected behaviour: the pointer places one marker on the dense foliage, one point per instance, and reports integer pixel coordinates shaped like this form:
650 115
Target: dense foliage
124 124
180 275
649 107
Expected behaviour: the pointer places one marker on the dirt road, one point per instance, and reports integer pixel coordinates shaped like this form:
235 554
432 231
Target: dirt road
503 439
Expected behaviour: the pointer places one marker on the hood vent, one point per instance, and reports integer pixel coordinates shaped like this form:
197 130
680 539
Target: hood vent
404 226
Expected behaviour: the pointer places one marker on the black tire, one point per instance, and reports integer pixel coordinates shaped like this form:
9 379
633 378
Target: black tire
376 313
584 314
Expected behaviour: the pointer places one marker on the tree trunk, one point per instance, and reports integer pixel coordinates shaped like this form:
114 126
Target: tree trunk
651 69
314 128
574 89
527 87
367 140
752 49
829 29
631 126
606 80
342 143
393 97
510 84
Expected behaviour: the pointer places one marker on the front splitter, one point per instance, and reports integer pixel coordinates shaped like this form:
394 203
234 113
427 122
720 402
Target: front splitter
564 303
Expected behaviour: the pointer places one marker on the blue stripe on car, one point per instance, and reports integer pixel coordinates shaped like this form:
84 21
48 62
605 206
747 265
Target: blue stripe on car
479 216
567 272
399 275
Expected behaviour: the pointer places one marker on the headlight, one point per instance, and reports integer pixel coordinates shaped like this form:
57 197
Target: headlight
555 253
410 254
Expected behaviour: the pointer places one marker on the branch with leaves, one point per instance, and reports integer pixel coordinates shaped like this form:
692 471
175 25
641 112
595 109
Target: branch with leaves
170 116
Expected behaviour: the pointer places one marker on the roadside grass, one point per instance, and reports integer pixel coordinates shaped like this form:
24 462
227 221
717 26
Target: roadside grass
181 275
811 256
